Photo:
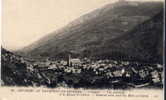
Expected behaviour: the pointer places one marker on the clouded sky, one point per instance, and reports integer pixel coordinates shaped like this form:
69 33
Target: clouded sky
25 21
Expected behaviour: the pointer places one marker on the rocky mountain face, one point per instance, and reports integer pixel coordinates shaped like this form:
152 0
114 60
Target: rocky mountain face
128 31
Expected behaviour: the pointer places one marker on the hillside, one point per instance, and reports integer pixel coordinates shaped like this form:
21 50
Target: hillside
112 31
144 42
14 70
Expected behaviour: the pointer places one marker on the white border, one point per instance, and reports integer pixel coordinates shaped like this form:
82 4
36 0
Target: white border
163 44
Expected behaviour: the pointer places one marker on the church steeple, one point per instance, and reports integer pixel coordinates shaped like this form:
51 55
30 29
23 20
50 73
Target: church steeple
69 60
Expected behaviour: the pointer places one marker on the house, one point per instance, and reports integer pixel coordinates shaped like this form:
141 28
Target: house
63 62
75 61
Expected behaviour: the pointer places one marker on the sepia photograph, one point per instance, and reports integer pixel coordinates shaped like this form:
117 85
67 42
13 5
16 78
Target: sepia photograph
83 44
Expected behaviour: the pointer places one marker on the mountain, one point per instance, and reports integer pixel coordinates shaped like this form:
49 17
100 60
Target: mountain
121 30
144 42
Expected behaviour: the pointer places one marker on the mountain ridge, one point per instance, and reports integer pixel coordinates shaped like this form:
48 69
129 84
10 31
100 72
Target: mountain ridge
108 24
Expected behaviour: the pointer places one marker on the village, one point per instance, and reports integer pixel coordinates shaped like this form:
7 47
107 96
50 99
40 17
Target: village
81 73
100 72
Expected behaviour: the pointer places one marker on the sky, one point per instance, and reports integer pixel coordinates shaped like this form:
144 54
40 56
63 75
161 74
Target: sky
26 21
